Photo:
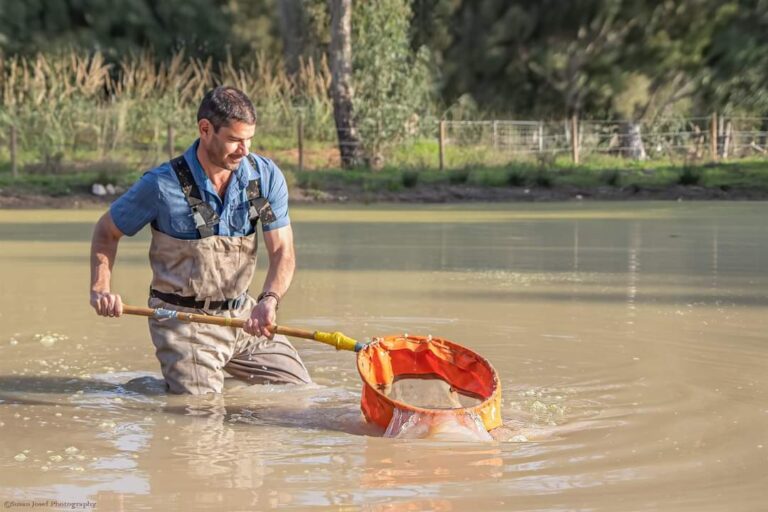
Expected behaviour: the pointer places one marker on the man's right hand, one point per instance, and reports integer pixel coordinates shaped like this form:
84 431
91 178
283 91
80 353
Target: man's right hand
107 304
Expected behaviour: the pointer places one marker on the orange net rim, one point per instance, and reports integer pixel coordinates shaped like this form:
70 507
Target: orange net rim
487 402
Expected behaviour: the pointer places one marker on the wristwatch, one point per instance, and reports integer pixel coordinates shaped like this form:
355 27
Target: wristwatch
264 295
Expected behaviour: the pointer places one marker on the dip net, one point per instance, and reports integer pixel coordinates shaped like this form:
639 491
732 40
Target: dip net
417 387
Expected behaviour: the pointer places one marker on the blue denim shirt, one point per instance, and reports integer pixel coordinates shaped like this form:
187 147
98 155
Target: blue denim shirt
157 198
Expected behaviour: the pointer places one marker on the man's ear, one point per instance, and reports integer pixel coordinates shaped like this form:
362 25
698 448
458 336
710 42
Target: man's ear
205 127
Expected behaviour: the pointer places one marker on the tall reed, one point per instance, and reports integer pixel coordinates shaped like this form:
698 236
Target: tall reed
73 105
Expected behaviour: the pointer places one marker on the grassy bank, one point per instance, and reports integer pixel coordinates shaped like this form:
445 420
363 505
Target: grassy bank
558 179
558 175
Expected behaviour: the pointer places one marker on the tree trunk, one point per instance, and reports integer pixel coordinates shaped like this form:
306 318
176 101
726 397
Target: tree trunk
632 141
342 93
290 13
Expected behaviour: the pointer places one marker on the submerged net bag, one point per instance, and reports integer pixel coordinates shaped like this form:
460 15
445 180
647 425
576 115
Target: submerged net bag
461 397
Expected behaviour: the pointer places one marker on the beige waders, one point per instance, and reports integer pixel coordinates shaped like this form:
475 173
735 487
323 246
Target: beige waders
193 357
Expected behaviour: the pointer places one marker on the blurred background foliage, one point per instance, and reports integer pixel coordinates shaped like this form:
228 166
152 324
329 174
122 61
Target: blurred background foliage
96 70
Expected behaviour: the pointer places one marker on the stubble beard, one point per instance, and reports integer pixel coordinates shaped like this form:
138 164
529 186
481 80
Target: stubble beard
220 160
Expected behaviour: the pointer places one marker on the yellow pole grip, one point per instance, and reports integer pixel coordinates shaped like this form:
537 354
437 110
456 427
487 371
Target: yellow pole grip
338 340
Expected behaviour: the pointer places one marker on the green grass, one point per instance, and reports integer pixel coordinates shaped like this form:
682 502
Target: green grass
414 169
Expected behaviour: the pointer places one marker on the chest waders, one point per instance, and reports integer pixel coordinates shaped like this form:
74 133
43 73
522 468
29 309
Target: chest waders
211 275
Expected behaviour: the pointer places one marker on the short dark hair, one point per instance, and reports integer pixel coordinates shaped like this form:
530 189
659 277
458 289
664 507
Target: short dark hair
225 104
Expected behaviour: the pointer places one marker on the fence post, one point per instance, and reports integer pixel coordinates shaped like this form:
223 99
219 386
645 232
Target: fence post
12 143
495 134
728 132
713 137
300 135
170 142
575 138
541 137
441 143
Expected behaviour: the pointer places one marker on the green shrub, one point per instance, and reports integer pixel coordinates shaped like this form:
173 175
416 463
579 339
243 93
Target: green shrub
689 177
410 179
515 179
611 178
542 179
458 176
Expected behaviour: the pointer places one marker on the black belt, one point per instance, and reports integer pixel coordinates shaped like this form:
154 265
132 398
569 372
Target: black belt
192 302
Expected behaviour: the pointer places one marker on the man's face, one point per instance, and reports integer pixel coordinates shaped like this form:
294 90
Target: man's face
229 145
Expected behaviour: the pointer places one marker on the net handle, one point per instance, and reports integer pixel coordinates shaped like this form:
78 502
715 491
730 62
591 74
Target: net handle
335 339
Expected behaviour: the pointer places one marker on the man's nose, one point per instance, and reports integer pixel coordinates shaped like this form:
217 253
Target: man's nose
242 148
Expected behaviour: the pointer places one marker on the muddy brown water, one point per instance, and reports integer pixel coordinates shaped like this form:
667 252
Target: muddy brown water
630 340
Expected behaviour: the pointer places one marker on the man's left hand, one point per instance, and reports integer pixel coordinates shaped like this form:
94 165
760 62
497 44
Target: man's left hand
263 318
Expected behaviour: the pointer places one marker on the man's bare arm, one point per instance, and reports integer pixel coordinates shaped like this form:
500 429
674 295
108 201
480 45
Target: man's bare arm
282 263
103 253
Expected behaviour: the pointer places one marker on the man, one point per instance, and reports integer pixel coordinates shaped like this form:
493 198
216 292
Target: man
203 208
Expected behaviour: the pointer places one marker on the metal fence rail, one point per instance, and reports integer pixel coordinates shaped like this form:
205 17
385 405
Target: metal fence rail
428 143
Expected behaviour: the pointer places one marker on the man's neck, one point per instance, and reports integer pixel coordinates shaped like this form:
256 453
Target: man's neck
214 172
219 176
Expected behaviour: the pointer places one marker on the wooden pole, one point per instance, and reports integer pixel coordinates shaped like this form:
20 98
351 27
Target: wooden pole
727 138
13 142
541 137
713 137
495 134
575 138
170 142
300 134
441 143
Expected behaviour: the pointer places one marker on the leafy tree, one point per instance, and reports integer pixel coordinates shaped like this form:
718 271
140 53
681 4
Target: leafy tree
738 57
116 27
391 80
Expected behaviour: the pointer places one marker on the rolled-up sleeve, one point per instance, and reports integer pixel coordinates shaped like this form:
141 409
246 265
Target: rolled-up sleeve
138 206
277 195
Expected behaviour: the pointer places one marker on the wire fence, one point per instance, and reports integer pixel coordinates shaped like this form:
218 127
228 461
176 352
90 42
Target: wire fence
692 138
103 144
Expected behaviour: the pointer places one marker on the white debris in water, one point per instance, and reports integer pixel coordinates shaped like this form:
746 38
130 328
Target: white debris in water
71 450
13 342
20 457
55 458
58 415
78 468
106 425
538 407
49 339
44 468
519 439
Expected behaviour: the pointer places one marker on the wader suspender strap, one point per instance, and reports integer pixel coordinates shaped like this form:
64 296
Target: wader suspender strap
259 206
205 217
